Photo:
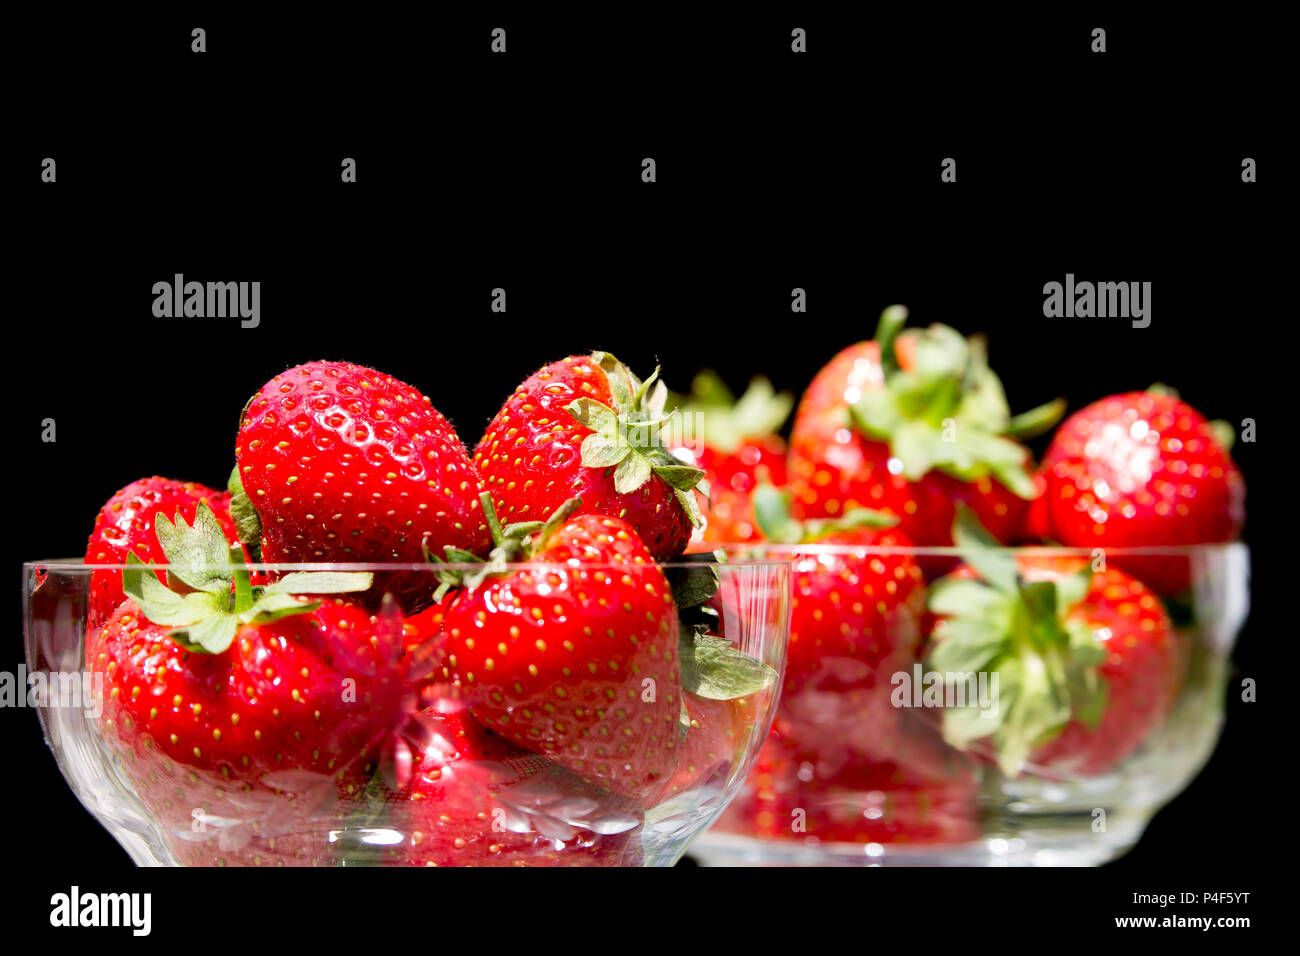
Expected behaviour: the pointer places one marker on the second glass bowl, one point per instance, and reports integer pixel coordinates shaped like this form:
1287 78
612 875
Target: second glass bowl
850 777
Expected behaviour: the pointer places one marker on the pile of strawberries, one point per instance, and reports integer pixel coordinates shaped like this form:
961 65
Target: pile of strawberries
373 647
905 442
506 678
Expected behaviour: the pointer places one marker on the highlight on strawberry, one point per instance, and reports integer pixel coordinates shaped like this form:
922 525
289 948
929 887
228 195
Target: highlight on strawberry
1142 470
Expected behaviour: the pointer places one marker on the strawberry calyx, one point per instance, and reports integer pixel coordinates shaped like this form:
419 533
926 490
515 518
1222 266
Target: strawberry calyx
772 512
209 592
631 439
942 408
519 541
722 421
1046 658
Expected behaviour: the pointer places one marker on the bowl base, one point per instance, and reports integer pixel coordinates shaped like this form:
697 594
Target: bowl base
1023 849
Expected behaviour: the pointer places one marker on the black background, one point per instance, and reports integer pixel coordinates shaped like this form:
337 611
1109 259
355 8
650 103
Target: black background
522 171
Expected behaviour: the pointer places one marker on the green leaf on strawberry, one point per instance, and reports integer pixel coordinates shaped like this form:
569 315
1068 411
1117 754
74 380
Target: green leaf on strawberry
198 559
712 667
945 409
248 523
772 511
206 619
630 440
723 422
1026 631
695 579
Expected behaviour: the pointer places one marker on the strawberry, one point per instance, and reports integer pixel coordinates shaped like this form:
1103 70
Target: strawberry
337 462
576 658
477 799
253 710
855 621
125 525
912 424
586 427
1142 469
736 445
1089 661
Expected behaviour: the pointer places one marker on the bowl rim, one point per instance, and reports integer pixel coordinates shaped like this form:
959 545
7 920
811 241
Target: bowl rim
759 554
80 565
952 551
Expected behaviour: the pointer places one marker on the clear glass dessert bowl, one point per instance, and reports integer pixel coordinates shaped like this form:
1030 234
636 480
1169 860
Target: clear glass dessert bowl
532 716
1016 706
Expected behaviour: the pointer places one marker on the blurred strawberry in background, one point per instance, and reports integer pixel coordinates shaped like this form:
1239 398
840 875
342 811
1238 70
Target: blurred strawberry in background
1142 470
911 423
735 441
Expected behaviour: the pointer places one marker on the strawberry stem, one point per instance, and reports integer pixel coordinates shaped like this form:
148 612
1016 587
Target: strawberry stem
891 323
554 522
243 580
494 523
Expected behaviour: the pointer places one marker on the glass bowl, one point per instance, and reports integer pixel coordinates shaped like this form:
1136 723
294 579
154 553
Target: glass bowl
359 744
853 775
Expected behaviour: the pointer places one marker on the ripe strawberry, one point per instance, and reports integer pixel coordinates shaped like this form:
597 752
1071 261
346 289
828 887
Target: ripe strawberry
736 444
343 463
911 424
1091 661
586 427
1142 469
855 621
578 662
256 708
125 525
477 799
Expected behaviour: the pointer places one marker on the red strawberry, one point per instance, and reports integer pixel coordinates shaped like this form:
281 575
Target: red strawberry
343 463
476 799
125 525
913 438
1142 469
576 659
257 709
855 621
586 427
1091 659
736 444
